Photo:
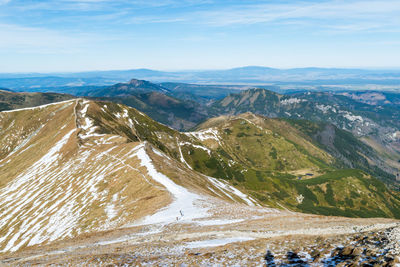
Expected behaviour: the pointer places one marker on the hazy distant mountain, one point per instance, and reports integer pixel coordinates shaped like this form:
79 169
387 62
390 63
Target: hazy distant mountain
129 88
153 99
374 97
245 75
201 92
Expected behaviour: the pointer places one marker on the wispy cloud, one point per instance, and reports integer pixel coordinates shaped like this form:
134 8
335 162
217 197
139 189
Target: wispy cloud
63 5
103 5
114 11
152 19
39 40
344 15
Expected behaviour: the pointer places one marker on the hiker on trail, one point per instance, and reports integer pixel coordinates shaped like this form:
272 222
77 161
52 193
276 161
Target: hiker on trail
181 212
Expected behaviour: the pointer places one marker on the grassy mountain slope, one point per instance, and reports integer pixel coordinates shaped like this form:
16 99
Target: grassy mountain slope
348 151
11 100
378 123
179 114
280 165
265 143
254 100
201 92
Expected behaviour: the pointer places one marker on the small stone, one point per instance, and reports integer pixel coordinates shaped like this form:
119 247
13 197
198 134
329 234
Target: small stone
371 252
358 251
346 251
316 255
335 252
389 261
380 258
208 254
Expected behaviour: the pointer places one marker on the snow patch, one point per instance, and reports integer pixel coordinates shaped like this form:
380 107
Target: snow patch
218 222
291 101
39 107
184 207
84 110
206 135
323 108
227 189
182 158
196 146
352 117
125 115
216 242
110 208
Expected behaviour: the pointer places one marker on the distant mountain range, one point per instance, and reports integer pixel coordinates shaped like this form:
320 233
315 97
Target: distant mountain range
325 77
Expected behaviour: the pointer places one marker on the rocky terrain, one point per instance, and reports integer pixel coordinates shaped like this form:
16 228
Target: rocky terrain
251 237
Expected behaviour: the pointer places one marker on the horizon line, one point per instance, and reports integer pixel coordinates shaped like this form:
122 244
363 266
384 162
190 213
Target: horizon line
397 68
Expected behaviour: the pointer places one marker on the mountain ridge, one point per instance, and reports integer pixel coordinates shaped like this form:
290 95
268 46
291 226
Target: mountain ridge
123 89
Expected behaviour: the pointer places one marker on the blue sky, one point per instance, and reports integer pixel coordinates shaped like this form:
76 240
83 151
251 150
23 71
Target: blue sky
76 35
